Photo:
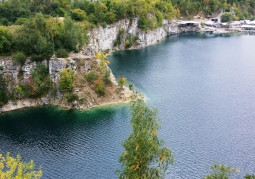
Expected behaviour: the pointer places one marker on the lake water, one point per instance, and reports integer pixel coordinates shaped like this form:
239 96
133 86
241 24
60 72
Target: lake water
203 87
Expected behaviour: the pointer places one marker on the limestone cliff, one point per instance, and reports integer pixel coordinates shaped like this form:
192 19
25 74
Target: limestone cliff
87 97
103 39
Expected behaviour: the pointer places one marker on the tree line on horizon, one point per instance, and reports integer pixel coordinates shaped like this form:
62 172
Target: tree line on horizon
40 28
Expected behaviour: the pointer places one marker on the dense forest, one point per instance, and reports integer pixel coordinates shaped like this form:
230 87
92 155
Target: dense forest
35 27
244 9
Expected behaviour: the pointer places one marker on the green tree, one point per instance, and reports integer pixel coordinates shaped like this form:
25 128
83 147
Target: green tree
103 67
91 76
220 171
66 82
143 23
99 86
14 168
5 39
71 97
19 58
62 53
78 14
144 157
43 6
226 17
247 176
35 37
131 86
122 81
3 91
73 35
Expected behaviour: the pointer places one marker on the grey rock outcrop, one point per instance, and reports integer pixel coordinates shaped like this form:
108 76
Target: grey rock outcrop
102 39
45 100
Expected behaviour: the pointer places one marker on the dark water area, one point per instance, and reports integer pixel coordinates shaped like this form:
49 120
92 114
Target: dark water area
203 87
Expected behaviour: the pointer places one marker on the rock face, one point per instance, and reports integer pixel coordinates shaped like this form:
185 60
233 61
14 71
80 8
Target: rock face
87 96
102 39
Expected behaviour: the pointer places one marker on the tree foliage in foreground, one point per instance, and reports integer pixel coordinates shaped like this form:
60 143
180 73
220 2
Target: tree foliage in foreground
144 156
14 168
247 176
221 171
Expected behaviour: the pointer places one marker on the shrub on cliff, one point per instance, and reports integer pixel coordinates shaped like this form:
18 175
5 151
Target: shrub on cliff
130 39
37 85
66 82
37 58
62 53
118 38
91 76
122 81
226 17
19 58
3 91
71 97
143 23
99 87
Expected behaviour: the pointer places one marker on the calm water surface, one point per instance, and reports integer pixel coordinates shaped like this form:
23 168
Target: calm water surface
203 87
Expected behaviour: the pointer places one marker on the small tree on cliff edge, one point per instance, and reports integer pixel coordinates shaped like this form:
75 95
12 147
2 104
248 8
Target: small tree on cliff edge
122 81
143 157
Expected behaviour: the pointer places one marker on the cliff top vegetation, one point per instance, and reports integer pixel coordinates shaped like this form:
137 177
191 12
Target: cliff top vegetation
37 27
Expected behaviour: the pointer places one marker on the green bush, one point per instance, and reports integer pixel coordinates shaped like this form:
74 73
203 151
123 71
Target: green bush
19 58
78 15
226 17
66 82
1 68
143 23
130 39
104 24
122 81
4 22
53 92
37 85
5 39
59 12
91 76
131 86
36 58
100 89
21 21
118 38
3 91
71 97
62 53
